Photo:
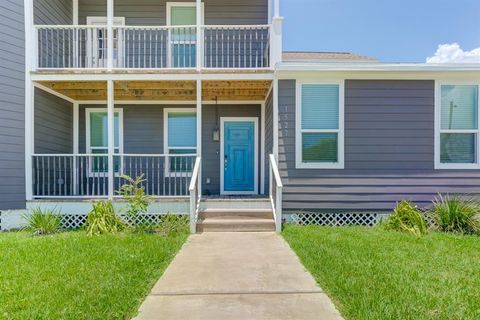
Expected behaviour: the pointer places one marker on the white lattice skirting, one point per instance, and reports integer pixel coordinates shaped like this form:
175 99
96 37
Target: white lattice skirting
345 218
336 218
14 220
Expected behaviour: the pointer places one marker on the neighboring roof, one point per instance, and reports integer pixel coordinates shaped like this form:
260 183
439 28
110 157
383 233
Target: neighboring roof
376 66
345 61
303 56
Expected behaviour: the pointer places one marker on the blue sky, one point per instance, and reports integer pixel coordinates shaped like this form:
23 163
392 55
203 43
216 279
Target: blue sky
389 30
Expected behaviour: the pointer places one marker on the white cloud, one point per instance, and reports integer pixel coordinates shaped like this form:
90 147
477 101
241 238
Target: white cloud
453 53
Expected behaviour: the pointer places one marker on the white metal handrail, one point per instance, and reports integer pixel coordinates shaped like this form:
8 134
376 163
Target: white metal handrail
195 195
153 47
86 175
71 47
232 46
156 47
276 192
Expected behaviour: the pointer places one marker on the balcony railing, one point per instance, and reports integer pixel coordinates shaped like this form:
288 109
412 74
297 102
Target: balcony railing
162 47
86 175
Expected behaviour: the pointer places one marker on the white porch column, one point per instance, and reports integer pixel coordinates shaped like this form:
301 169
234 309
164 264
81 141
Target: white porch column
262 148
75 12
276 45
111 136
199 61
110 18
275 118
30 58
29 137
76 114
199 132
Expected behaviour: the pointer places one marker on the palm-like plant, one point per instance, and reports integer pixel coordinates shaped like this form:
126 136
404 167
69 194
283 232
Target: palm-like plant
457 214
42 222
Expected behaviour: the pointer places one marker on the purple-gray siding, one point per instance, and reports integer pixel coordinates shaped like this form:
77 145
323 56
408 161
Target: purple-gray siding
12 105
153 12
389 151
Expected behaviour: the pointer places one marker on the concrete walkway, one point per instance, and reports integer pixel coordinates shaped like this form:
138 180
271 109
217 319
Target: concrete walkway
237 276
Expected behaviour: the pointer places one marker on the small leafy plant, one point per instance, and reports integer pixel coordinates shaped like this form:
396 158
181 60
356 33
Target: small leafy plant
456 214
134 193
42 222
406 217
102 219
172 224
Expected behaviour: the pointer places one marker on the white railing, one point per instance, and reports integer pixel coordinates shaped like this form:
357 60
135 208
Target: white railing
156 47
276 192
86 175
70 47
195 195
153 47
238 47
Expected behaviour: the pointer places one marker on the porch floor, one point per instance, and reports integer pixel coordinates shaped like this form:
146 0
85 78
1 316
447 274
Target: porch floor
237 276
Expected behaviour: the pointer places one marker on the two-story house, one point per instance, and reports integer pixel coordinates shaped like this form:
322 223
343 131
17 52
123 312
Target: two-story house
199 98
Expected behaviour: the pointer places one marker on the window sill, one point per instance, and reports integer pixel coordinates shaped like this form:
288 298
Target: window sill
333 166
457 166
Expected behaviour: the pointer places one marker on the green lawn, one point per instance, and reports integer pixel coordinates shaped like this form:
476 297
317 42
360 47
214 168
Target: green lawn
373 274
72 276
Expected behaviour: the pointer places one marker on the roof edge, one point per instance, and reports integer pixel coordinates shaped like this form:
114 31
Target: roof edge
361 66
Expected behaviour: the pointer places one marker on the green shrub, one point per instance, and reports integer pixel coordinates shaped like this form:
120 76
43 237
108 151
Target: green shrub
134 193
102 219
406 217
43 222
172 224
456 214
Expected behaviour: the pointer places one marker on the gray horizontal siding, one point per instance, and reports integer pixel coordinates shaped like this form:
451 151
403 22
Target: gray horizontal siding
53 11
12 105
53 124
153 12
389 151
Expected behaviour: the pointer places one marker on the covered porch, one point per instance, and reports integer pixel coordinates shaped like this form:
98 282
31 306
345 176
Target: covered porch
88 135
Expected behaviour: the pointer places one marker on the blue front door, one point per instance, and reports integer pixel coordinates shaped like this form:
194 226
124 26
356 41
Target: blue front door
239 156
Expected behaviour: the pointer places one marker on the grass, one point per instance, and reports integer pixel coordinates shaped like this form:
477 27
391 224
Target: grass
72 276
374 274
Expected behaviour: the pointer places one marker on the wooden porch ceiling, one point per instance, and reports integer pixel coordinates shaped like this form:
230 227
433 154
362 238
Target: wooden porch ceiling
252 90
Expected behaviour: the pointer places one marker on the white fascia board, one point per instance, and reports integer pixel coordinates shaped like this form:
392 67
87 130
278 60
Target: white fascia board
61 76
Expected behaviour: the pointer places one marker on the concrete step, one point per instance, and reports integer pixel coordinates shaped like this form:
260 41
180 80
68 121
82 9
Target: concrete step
236 213
236 224
241 204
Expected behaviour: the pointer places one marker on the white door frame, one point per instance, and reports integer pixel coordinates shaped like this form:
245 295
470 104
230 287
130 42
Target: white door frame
222 155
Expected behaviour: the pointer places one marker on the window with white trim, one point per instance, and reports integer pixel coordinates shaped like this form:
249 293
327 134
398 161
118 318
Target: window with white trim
180 139
97 137
319 125
458 131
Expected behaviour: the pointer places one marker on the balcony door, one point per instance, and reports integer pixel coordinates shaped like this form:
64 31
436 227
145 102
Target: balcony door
97 43
182 44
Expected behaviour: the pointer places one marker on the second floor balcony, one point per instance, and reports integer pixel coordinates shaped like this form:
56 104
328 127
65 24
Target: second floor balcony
154 47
